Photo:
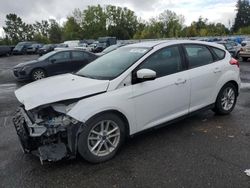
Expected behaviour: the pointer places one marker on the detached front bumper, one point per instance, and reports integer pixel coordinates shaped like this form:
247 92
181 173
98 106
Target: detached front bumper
48 143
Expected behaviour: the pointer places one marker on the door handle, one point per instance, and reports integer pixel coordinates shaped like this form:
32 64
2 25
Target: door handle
180 81
217 69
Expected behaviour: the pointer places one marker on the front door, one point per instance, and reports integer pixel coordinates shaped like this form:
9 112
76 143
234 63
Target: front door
165 98
59 63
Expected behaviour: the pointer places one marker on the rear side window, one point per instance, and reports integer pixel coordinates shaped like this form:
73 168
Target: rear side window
79 55
219 53
198 55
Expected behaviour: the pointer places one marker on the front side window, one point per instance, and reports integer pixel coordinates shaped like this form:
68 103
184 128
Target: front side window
164 62
61 56
198 55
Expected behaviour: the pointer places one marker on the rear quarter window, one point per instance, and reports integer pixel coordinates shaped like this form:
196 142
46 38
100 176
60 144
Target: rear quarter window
219 53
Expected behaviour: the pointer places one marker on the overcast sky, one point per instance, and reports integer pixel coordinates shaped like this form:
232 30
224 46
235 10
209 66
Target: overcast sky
31 10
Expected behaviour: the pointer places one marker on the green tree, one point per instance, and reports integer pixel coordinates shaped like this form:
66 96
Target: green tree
94 22
242 18
72 30
121 22
172 23
42 28
167 24
15 28
55 32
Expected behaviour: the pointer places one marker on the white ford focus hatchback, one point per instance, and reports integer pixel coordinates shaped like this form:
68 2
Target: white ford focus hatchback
131 89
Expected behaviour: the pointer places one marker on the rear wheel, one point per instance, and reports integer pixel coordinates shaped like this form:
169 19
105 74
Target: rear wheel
244 58
101 138
226 99
38 74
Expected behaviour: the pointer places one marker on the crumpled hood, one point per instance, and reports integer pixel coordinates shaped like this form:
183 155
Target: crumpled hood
58 88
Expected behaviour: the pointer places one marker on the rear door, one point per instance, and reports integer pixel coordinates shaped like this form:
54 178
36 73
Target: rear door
204 73
79 60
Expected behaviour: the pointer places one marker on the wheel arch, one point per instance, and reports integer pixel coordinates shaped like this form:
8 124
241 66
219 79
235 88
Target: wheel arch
232 82
235 84
120 115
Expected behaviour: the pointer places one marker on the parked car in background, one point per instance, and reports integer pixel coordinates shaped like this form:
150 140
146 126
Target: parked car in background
5 50
237 46
21 47
245 42
110 49
104 42
129 90
245 50
99 47
33 49
229 47
92 46
72 43
108 41
83 46
52 63
46 48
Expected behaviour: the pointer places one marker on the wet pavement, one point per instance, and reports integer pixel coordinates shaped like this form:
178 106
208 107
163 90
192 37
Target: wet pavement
202 151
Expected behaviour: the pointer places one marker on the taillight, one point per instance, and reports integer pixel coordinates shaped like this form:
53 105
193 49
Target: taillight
234 62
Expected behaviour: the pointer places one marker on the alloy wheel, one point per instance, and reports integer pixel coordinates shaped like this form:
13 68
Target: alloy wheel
38 74
228 98
103 138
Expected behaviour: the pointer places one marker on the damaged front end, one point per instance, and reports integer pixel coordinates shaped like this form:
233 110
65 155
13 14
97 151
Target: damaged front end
47 132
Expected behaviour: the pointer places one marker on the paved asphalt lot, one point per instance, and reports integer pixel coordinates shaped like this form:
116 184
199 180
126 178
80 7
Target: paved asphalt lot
202 151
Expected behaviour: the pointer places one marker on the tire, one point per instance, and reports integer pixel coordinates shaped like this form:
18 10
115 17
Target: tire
237 56
38 74
226 99
95 145
244 58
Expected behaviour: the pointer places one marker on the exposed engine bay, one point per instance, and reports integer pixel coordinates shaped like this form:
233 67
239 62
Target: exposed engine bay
47 131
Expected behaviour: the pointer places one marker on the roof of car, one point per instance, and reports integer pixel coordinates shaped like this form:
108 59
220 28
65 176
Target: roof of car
151 44
71 49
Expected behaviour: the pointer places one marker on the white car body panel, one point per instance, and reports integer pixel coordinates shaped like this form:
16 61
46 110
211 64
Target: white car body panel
168 97
57 88
203 80
120 100
161 100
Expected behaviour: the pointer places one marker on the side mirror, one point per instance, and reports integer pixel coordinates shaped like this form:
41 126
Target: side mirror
52 60
145 74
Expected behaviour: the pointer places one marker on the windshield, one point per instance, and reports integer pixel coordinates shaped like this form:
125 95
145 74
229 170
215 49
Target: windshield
111 48
113 64
47 46
46 56
102 45
20 45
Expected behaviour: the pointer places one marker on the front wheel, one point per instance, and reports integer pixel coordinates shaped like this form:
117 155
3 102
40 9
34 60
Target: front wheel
226 99
38 74
101 138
